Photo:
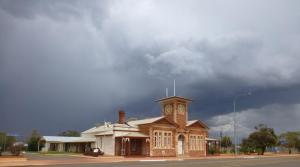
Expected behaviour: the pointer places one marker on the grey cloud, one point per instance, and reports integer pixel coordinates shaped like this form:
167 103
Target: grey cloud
280 117
79 61
237 58
58 10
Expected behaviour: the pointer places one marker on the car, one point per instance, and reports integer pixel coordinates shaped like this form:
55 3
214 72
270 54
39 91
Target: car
95 152
18 148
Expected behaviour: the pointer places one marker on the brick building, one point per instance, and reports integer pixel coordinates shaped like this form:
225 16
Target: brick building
170 134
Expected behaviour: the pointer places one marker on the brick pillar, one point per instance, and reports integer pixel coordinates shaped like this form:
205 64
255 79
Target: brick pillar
186 144
150 142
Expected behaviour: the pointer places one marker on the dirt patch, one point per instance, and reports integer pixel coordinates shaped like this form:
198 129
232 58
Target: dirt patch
8 158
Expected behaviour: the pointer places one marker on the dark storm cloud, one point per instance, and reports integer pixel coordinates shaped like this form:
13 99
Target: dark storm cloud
70 64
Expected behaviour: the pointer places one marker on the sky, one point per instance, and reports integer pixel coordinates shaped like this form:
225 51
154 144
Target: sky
68 65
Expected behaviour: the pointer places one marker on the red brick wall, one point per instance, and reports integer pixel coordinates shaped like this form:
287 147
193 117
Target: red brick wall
180 119
164 152
196 153
186 131
197 130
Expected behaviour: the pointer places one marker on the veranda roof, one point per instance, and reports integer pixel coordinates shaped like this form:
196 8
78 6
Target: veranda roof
211 139
105 133
132 134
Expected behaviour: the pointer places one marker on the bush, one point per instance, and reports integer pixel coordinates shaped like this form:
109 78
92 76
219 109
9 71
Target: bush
212 151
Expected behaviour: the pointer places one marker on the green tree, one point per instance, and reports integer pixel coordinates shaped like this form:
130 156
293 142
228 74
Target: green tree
262 138
226 142
291 140
247 146
70 133
33 140
298 145
6 141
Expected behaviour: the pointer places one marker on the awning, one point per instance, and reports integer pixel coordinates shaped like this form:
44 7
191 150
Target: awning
211 139
132 134
106 133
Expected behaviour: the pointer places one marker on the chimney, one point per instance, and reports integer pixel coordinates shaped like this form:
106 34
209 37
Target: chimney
121 117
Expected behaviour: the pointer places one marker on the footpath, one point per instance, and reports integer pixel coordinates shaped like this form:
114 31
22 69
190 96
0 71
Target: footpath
80 159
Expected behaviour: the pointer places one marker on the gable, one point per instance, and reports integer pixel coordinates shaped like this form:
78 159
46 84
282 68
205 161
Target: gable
164 121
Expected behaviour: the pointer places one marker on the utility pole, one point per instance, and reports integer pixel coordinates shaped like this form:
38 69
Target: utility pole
234 128
4 142
235 122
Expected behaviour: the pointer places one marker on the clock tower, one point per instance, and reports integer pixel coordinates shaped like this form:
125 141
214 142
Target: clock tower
175 109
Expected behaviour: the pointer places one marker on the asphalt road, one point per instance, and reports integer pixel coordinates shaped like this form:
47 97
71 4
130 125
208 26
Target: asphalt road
242 162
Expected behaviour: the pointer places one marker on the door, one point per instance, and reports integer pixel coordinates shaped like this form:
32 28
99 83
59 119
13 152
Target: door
180 145
136 147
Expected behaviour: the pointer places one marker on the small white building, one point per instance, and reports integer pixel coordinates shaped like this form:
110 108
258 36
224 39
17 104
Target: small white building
101 136
66 144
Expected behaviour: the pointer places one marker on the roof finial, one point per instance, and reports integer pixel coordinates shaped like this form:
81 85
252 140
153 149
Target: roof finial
174 88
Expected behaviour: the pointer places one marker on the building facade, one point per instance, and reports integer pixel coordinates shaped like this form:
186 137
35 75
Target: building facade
170 134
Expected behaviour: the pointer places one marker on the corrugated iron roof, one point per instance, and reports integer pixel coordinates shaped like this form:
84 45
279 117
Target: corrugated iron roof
111 127
189 123
144 121
64 139
131 134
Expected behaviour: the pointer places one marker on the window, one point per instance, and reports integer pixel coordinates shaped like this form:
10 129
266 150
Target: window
162 139
155 142
159 140
169 140
99 142
197 142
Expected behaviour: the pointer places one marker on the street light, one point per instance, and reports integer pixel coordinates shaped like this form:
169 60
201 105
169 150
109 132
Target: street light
234 121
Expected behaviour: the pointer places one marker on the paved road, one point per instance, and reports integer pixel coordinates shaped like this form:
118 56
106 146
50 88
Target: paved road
249 162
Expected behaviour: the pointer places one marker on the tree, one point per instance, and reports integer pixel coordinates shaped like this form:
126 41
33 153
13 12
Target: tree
298 145
247 146
226 142
6 141
262 138
290 140
70 133
33 140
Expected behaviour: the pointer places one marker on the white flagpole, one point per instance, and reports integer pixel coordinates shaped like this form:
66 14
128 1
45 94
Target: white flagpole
174 88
